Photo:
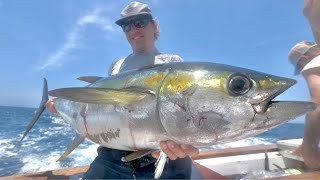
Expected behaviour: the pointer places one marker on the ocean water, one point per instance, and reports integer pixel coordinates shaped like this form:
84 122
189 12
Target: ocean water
50 137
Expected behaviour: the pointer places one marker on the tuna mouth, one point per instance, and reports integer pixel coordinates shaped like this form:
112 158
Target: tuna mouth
262 107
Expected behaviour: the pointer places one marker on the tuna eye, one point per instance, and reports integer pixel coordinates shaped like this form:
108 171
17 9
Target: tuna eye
239 85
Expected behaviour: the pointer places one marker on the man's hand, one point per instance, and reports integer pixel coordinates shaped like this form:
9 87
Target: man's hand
50 106
174 150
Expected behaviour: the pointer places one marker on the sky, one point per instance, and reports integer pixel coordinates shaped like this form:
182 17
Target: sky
62 40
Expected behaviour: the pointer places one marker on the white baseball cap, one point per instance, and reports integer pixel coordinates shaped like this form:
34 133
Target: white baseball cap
132 10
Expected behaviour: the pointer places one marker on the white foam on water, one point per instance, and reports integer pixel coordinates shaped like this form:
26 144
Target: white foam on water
9 154
6 144
28 143
49 131
57 120
36 163
83 155
33 139
248 142
5 141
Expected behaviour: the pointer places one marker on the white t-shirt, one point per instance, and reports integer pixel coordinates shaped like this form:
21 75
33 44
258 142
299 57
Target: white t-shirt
140 60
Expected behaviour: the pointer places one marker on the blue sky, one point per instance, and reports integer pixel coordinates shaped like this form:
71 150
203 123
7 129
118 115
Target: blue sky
62 40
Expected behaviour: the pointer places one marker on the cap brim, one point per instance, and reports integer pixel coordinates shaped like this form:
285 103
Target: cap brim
125 19
297 69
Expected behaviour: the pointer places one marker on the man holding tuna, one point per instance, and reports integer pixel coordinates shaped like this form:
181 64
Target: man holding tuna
141 31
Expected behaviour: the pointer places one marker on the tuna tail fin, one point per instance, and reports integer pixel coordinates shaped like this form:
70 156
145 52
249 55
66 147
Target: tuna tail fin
75 143
40 110
161 162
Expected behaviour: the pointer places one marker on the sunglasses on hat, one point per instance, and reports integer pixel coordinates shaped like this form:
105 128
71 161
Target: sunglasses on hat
138 23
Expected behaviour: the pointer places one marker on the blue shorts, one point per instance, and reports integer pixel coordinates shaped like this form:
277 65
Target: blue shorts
108 165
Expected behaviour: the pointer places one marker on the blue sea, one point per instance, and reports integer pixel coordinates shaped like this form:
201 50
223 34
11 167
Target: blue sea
50 137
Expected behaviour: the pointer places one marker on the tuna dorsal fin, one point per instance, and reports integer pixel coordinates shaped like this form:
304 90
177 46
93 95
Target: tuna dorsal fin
161 162
75 143
102 95
89 79
136 155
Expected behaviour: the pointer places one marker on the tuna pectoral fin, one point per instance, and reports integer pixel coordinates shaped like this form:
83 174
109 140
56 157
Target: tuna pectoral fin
161 162
41 108
89 79
136 155
101 95
75 143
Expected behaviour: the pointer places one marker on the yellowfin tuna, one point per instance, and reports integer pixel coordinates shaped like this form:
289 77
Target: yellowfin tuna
194 103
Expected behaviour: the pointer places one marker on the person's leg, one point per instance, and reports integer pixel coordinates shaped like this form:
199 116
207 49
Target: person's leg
146 172
107 165
178 169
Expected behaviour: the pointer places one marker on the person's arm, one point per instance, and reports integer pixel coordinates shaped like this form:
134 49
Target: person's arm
309 149
114 68
174 150
50 106
176 58
311 10
316 34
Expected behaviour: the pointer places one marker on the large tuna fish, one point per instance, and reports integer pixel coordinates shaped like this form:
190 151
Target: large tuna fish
194 103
